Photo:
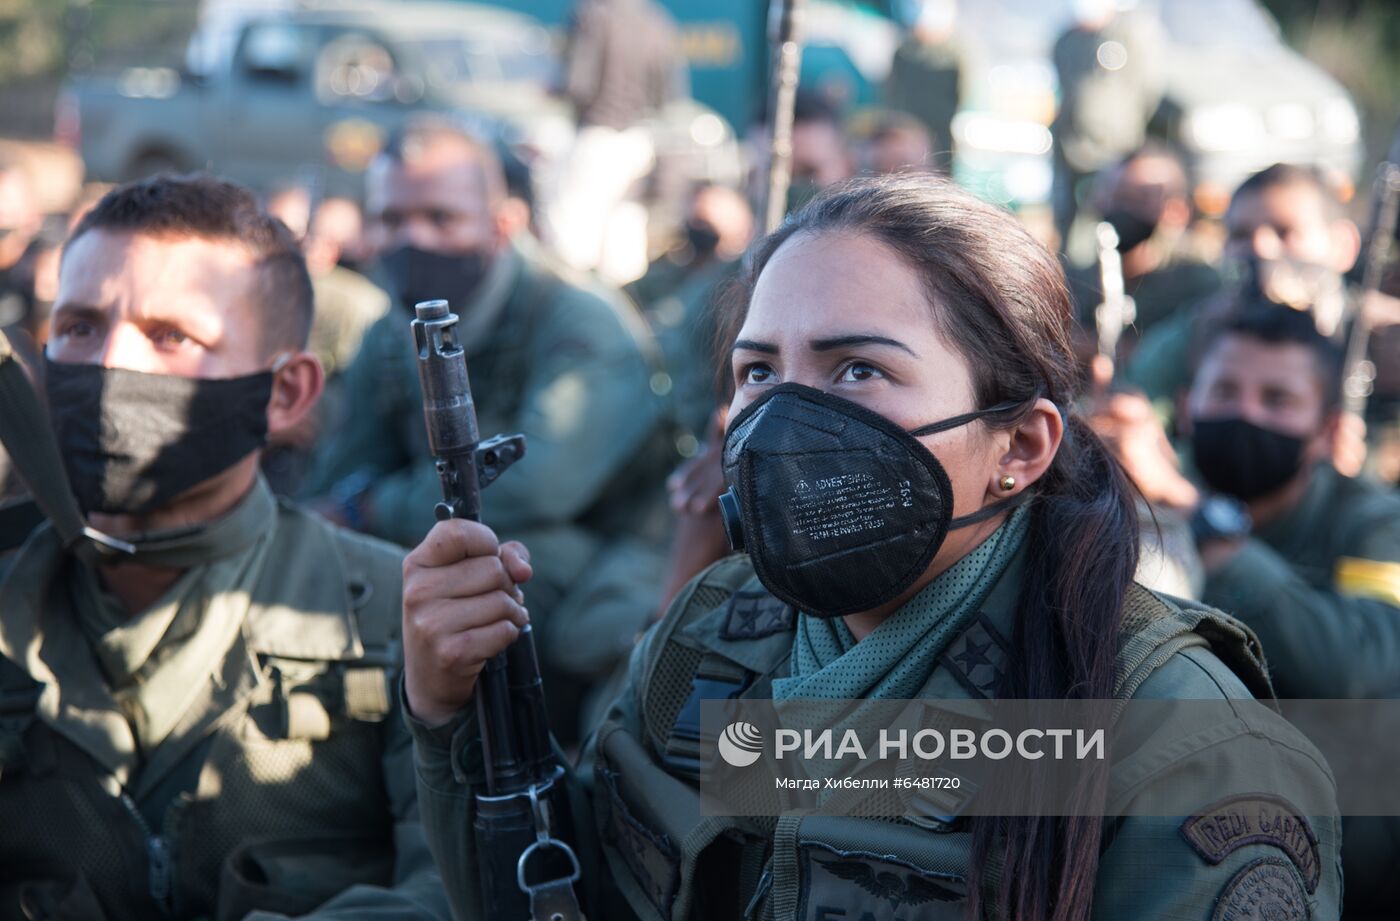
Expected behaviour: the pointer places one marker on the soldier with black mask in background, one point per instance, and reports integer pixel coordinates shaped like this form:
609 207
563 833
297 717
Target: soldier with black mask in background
553 355
1146 198
1308 558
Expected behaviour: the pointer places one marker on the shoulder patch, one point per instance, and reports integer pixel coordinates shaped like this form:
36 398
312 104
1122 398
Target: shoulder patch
1255 818
977 658
754 615
1377 580
1267 889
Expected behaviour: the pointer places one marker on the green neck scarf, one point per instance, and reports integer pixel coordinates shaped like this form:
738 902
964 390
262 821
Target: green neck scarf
896 659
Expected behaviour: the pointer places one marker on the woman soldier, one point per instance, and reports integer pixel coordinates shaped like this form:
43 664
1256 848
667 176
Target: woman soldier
894 328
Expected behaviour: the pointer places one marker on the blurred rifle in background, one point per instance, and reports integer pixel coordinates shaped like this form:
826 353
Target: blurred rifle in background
785 23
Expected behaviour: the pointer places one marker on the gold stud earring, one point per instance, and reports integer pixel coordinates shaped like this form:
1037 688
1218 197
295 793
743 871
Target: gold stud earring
1007 482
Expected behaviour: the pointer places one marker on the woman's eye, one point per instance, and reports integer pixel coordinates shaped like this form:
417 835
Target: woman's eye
758 374
858 371
78 329
169 338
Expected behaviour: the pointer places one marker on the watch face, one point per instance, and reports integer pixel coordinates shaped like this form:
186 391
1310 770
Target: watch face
1227 517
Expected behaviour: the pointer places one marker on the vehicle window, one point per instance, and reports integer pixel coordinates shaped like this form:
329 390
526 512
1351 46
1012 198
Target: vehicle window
274 52
525 58
356 66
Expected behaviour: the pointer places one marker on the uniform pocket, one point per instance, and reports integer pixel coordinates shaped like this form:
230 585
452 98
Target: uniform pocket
293 876
871 870
41 899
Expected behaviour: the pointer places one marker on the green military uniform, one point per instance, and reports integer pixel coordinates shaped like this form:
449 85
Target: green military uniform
1158 296
568 365
925 81
231 750
725 636
347 305
1161 363
1321 588
678 300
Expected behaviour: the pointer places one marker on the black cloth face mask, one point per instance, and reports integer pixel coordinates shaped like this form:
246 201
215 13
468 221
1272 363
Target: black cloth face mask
839 509
131 442
702 237
1242 459
1132 228
416 275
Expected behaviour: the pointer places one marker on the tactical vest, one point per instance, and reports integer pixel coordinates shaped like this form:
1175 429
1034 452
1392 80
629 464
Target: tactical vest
281 804
672 862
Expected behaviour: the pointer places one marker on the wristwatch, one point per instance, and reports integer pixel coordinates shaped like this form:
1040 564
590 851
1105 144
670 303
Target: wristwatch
1220 518
349 495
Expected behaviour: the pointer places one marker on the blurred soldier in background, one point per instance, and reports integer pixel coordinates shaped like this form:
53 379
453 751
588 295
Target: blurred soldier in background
622 63
291 204
21 258
562 360
1146 198
338 222
1289 243
347 305
1308 558
1110 85
678 294
925 77
20 248
821 152
897 143
1317 574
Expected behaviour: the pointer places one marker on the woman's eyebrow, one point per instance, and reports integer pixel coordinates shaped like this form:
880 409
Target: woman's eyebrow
748 344
81 311
838 342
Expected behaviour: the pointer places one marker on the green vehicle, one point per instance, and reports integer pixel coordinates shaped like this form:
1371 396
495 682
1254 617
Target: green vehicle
847 53
309 92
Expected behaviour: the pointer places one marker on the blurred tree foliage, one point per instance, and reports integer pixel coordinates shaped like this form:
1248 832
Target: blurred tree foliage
1354 40
46 38
120 33
31 37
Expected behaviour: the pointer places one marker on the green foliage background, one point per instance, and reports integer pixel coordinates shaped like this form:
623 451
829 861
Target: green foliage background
47 38
1358 42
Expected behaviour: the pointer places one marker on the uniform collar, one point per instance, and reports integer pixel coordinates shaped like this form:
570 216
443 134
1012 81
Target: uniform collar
1300 522
40 634
224 537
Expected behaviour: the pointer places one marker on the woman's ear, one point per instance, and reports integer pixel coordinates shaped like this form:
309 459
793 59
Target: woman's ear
1032 448
296 386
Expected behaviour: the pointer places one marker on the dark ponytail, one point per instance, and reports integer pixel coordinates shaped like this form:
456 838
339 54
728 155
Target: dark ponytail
999 297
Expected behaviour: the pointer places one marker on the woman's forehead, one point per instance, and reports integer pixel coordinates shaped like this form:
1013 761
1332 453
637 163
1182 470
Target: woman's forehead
817 283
